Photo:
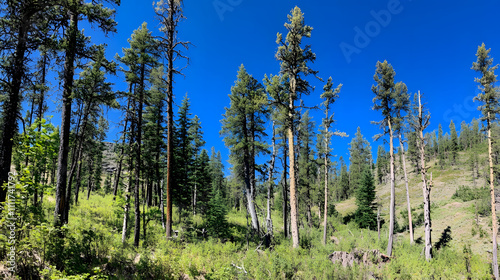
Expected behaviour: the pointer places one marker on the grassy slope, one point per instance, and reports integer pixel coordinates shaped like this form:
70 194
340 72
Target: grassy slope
458 215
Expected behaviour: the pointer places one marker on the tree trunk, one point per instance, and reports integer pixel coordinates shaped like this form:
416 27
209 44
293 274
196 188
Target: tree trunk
170 114
410 222
77 187
162 209
126 211
392 206
11 109
291 156
426 186
62 159
122 151
494 221
130 180
137 227
89 183
285 194
269 220
325 214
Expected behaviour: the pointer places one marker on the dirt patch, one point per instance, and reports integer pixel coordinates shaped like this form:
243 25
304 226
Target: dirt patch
368 258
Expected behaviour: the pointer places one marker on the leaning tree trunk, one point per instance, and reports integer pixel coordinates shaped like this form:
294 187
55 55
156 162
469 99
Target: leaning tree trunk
410 222
62 159
494 221
392 206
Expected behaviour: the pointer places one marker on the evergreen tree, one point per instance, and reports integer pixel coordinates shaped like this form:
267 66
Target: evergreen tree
215 216
182 191
24 24
465 136
217 174
343 181
169 14
453 144
293 61
140 58
441 147
243 128
74 46
382 164
360 159
490 108
365 215
329 95
306 165
384 101
202 182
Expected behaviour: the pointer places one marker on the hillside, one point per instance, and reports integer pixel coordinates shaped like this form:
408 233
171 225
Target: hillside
445 211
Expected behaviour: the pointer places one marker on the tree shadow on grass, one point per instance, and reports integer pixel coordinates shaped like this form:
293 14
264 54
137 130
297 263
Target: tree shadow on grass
445 239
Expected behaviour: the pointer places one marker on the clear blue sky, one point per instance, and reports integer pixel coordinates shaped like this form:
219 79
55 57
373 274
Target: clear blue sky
431 45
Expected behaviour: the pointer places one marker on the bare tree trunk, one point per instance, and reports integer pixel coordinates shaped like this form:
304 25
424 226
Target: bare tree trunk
494 221
291 156
410 222
426 186
126 212
269 220
392 206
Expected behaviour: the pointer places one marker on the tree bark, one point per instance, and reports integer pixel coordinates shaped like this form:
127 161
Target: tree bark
494 222
170 114
122 151
410 222
130 180
77 187
291 156
426 186
62 159
392 206
325 215
137 227
269 220
11 107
